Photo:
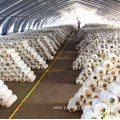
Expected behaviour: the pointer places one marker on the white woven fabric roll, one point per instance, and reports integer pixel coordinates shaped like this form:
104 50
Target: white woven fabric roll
100 71
108 98
107 65
3 89
7 103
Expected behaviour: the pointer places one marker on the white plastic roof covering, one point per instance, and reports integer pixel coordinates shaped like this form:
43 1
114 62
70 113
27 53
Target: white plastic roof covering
40 12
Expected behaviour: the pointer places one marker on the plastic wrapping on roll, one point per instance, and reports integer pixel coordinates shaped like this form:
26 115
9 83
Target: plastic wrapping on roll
91 84
99 108
113 72
114 88
108 78
6 95
107 65
3 89
94 77
72 107
89 114
7 103
108 98
78 81
94 95
100 71
113 58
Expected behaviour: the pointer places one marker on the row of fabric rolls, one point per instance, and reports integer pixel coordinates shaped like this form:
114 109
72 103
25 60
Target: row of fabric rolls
99 78
21 53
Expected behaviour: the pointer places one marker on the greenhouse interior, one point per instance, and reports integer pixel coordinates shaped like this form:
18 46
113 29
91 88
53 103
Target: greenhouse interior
59 59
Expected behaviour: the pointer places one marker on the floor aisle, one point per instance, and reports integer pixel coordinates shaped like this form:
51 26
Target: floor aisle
51 96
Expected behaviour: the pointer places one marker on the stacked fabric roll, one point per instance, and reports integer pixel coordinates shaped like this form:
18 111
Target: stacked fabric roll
13 68
7 98
100 64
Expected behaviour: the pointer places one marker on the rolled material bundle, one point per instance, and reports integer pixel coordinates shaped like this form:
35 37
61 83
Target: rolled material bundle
113 58
78 81
93 56
99 60
115 111
113 73
91 84
95 64
108 98
111 46
7 103
98 89
89 60
89 114
87 91
6 95
3 89
107 65
72 107
94 95
32 78
99 52
99 108
81 77
87 65
75 67
88 101
106 51
78 102
118 79
89 70
108 78
81 96
100 71
114 88
103 84
95 77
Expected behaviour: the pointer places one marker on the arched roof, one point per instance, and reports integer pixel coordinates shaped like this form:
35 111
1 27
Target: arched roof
40 11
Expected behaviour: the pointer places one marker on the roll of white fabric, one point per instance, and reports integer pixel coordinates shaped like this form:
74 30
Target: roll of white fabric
72 107
26 70
98 89
6 95
15 54
19 63
3 89
7 103
108 98
10 50
95 64
94 95
107 65
99 52
88 60
81 96
106 51
116 66
113 58
78 81
15 59
95 77
33 77
113 72
87 65
88 101
114 88
99 108
89 70
23 67
93 56
100 71
91 84
110 46
87 91
115 110
78 102
89 114
107 78
118 79
1 83
103 84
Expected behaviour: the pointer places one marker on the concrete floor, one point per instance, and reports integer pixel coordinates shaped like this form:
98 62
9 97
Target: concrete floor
54 90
